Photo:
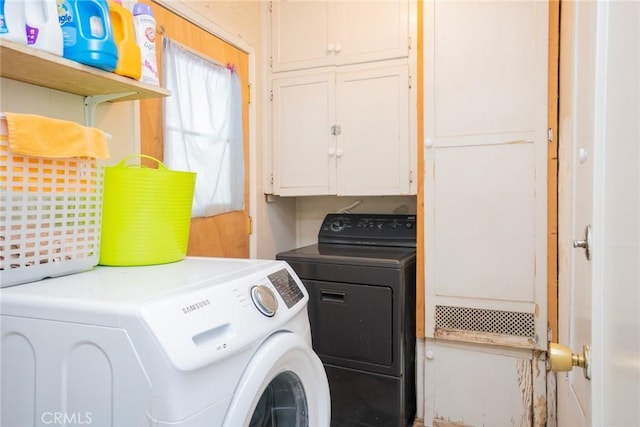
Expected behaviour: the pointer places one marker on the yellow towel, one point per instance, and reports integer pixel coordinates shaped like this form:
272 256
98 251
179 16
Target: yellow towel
40 136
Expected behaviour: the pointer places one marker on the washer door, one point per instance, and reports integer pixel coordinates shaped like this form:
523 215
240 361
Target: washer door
284 384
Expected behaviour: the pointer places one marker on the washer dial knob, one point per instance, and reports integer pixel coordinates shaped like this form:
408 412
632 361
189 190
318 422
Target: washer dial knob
264 299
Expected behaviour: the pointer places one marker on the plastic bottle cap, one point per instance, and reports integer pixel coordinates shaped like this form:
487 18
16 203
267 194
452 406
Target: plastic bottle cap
142 9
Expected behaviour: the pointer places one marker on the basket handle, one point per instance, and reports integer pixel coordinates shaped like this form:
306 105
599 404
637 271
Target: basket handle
126 159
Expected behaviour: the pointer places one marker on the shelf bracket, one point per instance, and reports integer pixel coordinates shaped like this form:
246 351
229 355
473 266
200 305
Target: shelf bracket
90 103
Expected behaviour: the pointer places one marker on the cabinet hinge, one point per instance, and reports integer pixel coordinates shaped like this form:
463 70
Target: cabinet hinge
249 89
270 7
409 42
271 95
250 225
410 177
271 179
409 82
271 62
549 135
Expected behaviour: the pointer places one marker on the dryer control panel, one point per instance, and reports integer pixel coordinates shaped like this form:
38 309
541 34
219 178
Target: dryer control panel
369 230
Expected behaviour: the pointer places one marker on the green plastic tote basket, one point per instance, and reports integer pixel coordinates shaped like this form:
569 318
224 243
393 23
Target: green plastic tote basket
146 214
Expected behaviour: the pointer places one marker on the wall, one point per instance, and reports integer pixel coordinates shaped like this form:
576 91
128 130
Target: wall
117 119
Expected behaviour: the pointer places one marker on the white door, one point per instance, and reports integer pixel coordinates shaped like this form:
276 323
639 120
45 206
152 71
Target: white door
576 131
599 185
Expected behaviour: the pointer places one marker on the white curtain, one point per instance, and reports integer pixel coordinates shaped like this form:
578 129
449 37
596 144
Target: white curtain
203 128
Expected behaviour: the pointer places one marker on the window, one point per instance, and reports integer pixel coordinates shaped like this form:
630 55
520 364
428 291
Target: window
203 128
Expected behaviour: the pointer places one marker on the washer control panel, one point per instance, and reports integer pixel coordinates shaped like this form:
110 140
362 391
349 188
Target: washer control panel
369 229
286 286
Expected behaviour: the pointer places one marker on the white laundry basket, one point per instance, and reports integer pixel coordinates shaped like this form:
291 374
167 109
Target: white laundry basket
50 215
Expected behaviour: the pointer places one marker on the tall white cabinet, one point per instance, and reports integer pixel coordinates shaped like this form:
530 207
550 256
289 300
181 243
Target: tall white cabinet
341 91
485 72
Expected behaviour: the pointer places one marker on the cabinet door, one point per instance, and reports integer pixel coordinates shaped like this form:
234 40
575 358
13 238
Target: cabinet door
303 147
370 31
307 34
373 144
300 34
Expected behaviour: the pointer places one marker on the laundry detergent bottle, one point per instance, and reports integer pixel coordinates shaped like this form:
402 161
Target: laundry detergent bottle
88 33
12 21
145 25
42 25
129 62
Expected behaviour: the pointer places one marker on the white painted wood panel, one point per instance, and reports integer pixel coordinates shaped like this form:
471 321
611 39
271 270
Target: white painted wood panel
300 34
475 385
308 34
485 58
303 113
371 30
372 111
485 232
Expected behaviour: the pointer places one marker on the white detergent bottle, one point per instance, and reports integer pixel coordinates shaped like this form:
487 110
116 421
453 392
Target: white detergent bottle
43 27
145 26
12 21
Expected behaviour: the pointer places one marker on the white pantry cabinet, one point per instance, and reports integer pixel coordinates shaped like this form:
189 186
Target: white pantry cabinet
486 67
309 34
345 132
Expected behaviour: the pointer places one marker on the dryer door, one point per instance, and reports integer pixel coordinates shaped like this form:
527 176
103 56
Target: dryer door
284 384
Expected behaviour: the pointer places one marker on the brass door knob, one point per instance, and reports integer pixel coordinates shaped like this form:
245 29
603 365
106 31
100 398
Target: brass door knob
562 359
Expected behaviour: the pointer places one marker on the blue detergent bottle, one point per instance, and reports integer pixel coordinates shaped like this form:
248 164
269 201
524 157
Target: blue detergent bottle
87 32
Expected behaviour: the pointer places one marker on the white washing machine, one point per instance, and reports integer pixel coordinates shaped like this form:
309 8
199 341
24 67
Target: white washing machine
200 342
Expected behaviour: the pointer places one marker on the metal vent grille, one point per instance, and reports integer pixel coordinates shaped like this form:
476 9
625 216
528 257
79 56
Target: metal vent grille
489 321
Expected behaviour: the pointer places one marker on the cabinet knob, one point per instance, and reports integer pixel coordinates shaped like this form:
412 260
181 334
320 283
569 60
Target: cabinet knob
330 47
337 47
339 152
332 151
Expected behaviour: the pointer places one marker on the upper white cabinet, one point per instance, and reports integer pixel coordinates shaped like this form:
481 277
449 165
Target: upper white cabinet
344 133
308 34
342 97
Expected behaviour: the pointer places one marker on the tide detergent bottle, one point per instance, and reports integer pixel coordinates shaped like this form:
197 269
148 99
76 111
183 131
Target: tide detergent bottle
129 59
88 33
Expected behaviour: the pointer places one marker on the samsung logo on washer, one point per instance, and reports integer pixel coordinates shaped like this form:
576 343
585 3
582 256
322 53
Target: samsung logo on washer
196 306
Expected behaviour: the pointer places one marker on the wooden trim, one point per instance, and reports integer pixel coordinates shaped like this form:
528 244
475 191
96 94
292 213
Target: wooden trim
552 171
420 259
